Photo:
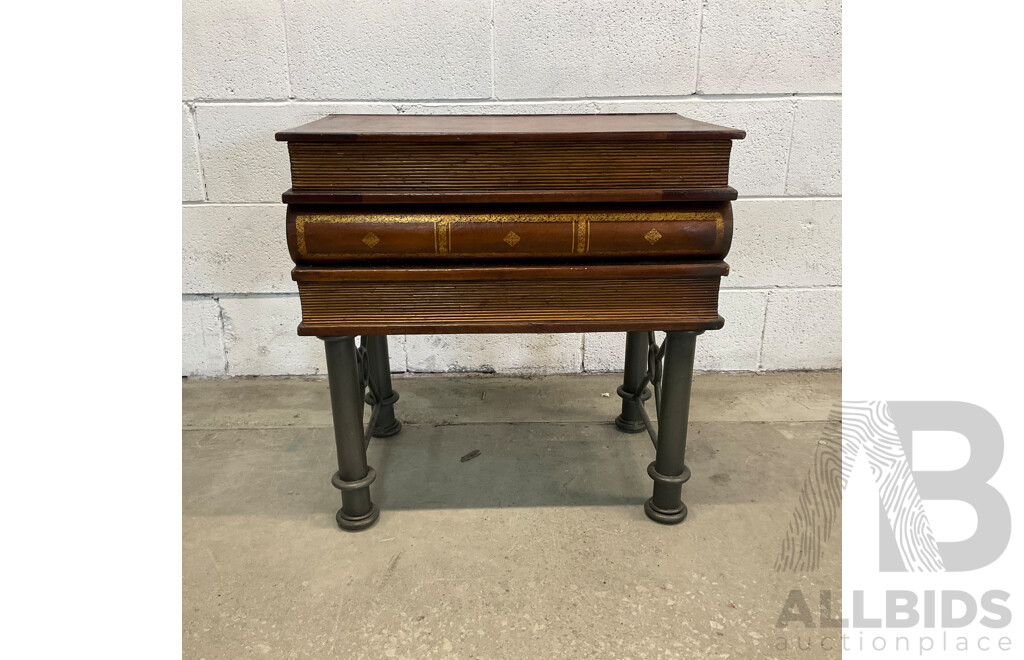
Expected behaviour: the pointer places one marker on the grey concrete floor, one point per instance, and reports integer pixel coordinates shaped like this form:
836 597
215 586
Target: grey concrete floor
538 548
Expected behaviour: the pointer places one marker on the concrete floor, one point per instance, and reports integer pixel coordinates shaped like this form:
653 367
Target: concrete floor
538 548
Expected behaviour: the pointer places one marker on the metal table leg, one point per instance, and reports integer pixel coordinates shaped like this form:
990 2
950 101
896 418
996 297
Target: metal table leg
353 477
631 421
379 368
668 469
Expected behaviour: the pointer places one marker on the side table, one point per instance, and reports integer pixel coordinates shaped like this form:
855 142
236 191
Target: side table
481 224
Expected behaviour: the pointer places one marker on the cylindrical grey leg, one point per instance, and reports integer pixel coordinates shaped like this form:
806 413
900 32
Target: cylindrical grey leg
380 375
668 469
353 477
630 420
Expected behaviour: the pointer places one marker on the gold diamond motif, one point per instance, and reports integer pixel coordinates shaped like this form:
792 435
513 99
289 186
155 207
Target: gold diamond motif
653 236
371 239
511 238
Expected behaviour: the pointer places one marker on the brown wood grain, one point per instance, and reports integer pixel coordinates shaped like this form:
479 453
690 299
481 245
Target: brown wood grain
521 273
481 128
549 299
412 196
497 166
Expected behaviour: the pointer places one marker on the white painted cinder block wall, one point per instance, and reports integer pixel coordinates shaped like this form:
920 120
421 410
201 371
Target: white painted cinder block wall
252 67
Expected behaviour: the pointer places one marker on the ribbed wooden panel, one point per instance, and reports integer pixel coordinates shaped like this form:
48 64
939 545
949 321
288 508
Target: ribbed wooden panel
405 306
510 166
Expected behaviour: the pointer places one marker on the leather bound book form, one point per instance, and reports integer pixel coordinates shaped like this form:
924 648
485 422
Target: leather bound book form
493 159
512 298
556 223
332 234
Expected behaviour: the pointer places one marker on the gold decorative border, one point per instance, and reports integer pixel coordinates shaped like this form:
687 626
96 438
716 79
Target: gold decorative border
444 237
582 236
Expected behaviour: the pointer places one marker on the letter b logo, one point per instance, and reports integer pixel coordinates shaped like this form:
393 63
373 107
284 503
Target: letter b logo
900 532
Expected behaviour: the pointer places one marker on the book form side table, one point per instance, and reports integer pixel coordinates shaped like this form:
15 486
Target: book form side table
448 225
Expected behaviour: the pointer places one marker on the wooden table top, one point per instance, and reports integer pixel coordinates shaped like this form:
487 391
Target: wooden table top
519 128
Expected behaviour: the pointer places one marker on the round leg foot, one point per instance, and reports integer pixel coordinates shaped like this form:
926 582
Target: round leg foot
665 517
388 431
631 425
628 426
356 524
